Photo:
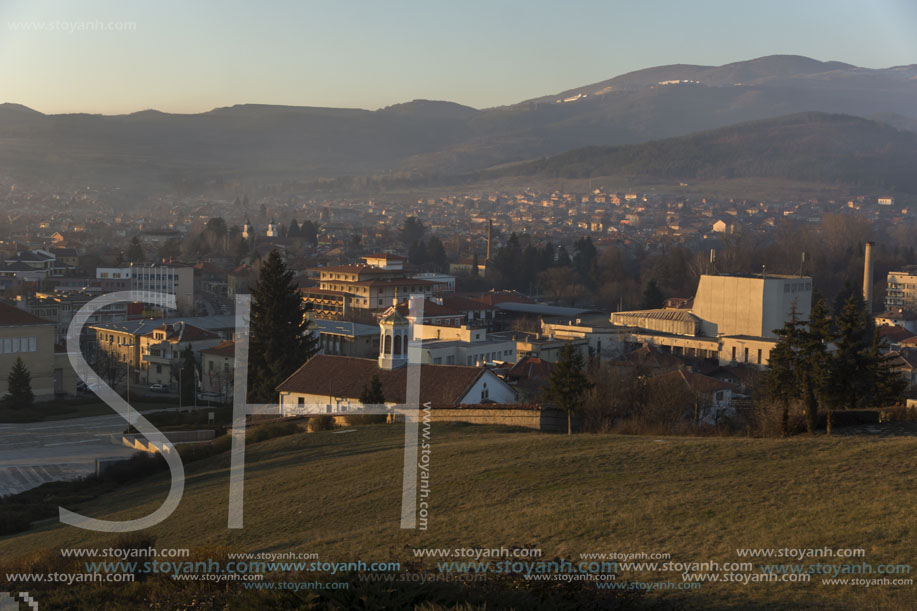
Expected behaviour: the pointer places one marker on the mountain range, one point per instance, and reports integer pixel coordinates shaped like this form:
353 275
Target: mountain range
813 147
151 149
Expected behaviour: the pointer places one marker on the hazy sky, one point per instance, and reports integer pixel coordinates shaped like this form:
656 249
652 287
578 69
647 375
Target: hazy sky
194 55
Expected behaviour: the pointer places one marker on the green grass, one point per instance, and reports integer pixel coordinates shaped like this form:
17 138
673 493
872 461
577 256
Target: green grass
696 498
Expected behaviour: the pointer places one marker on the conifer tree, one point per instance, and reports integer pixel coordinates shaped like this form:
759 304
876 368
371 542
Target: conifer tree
280 340
19 387
568 383
372 395
188 376
848 370
888 386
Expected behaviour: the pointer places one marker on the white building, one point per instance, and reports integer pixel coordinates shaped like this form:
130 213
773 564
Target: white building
733 318
333 384
156 278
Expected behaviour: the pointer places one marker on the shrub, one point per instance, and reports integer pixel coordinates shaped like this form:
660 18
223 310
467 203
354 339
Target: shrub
360 419
15 521
138 466
321 423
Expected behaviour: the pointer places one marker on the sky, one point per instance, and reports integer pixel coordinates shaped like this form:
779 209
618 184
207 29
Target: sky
113 57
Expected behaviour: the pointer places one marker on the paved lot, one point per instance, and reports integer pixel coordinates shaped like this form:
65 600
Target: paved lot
34 453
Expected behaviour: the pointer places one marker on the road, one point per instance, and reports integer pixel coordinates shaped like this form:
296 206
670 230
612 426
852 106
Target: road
37 452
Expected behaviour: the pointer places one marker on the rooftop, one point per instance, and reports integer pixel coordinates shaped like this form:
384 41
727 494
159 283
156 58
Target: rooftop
344 376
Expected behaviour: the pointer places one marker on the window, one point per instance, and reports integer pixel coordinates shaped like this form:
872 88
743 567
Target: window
158 368
733 353
301 401
719 396
746 355
16 344
759 356
485 394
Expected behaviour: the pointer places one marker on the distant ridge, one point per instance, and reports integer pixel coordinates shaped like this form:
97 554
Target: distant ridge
155 150
817 147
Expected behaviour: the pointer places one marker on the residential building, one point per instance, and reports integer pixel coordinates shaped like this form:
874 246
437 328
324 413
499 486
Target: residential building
165 278
162 350
26 336
217 367
901 290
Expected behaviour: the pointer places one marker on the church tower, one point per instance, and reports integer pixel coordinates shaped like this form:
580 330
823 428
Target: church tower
247 230
271 229
393 341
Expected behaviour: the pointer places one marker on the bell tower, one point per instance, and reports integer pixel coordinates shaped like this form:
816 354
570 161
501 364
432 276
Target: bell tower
393 341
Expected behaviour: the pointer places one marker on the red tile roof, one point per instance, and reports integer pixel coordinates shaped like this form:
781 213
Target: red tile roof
344 376
11 316
894 333
225 348
531 368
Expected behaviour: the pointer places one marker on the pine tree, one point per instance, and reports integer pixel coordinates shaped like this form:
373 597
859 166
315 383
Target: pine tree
417 253
888 386
188 376
812 368
309 233
293 231
280 339
135 251
19 387
568 384
436 253
372 395
848 384
412 230
781 368
652 297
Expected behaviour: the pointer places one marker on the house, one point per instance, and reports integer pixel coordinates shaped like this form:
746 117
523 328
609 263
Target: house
161 350
217 366
333 384
712 398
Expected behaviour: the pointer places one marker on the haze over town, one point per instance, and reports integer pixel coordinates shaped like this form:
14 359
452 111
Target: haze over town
598 283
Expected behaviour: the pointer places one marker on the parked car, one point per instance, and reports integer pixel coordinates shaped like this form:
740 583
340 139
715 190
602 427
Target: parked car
158 387
84 387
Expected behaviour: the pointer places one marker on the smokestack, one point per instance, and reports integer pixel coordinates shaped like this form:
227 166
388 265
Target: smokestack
490 233
867 276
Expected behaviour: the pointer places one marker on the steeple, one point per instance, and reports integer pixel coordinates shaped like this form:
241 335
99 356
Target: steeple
393 341
247 230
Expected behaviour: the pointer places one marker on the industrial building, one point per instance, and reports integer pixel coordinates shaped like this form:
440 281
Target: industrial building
732 319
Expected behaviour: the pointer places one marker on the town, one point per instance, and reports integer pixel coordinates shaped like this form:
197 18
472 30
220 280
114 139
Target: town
508 280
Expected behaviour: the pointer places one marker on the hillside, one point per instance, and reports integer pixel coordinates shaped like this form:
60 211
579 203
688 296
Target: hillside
151 149
696 498
814 147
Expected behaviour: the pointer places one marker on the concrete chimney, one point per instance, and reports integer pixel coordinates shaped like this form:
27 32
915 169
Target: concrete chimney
490 233
867 276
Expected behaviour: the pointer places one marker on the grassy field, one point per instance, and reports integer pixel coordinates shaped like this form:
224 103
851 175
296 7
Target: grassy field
698 499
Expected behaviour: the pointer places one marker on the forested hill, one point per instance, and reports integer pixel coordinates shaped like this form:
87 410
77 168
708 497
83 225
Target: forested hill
817 147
